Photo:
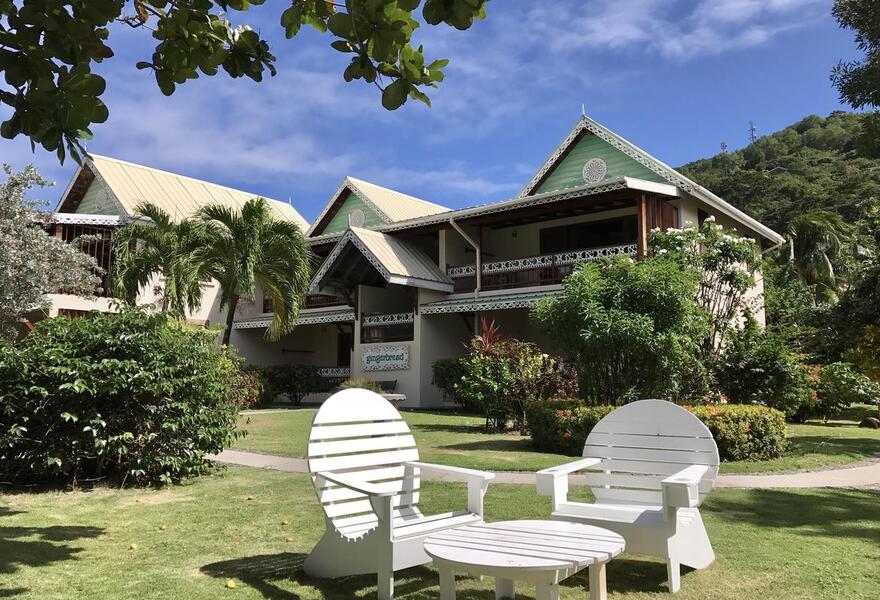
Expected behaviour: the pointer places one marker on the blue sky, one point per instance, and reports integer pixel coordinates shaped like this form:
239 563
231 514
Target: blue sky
674 77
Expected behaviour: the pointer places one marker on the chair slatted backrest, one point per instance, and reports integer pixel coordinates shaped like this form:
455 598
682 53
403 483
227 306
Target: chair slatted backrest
641 444
358 432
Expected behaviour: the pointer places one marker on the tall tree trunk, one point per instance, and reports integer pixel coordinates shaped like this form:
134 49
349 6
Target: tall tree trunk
230 317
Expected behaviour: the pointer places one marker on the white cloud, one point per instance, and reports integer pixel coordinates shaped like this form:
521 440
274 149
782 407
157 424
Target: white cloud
676 29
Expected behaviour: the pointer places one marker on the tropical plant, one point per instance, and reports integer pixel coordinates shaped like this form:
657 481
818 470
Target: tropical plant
816 242
757 367
50 47
168 254
250 247
34 263
726 264
632 330
128 397
841 386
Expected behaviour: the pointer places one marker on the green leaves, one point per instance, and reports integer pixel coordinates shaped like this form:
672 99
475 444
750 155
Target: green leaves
47 52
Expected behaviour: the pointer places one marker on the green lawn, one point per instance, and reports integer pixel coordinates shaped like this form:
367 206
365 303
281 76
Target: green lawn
458 440
784 545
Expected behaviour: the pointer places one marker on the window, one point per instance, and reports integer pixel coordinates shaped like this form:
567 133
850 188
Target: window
592 234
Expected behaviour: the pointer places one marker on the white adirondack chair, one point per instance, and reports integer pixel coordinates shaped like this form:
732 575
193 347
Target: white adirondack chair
364 464
650 464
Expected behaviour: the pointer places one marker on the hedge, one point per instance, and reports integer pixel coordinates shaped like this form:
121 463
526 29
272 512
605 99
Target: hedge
742 432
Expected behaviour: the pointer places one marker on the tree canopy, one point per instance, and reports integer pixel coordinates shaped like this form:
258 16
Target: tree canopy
858 81
48 49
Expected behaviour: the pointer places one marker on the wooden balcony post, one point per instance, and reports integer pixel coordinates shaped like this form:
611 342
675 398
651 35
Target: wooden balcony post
642 227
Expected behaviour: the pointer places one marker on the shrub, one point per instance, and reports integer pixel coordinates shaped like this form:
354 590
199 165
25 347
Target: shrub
758 368
444 375
130 396
744 432
503 377
248 387
632 329
362 382
841 386
562 426
294 381
741 432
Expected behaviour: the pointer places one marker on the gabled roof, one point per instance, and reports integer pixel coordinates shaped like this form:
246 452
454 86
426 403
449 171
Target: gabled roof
586 124
389 205
396 261
128 185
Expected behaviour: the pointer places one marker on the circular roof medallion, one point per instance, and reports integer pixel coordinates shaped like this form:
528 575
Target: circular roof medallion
595 170
356 218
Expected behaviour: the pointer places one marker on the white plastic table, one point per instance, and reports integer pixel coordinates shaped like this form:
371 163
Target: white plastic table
540 552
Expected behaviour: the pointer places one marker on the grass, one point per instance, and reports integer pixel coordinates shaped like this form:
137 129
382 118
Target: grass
784 545
457 440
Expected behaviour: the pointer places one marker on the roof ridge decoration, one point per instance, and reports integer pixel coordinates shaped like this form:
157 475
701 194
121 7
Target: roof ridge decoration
356 187
641 156
347 184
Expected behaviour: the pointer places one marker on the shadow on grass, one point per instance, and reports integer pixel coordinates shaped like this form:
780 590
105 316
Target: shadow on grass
268 574
37 546
830 513
833 446
511 445
448 428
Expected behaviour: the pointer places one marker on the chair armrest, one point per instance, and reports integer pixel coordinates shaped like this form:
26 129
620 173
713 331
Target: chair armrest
477 482
464 473
682 490
356 484
546 478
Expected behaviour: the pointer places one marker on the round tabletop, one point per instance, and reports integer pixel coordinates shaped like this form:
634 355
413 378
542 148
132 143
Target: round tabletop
524 546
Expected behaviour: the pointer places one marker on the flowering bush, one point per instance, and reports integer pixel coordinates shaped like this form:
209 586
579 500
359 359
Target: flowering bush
726 263
741 432
32 262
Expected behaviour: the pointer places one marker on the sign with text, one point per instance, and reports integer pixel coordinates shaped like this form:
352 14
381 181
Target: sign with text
385 358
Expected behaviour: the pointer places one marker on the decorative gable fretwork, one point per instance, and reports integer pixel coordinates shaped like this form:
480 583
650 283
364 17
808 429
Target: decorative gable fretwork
389 319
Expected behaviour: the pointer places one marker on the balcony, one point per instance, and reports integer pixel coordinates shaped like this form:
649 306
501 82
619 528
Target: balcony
532 271
378 328
312 301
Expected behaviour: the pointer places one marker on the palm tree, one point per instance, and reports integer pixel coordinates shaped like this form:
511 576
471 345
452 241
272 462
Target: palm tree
250 246
160 246
816 242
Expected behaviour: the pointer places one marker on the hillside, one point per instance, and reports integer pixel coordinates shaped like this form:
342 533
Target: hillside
826 163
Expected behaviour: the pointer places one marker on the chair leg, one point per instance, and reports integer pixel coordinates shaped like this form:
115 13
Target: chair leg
673 571
504 588
386 585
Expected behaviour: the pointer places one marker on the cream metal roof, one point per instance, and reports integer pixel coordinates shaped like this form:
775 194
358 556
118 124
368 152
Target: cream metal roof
179 196
391 206
398 261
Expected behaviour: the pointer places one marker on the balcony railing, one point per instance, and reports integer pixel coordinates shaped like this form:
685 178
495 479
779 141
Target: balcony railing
546 269
396 327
